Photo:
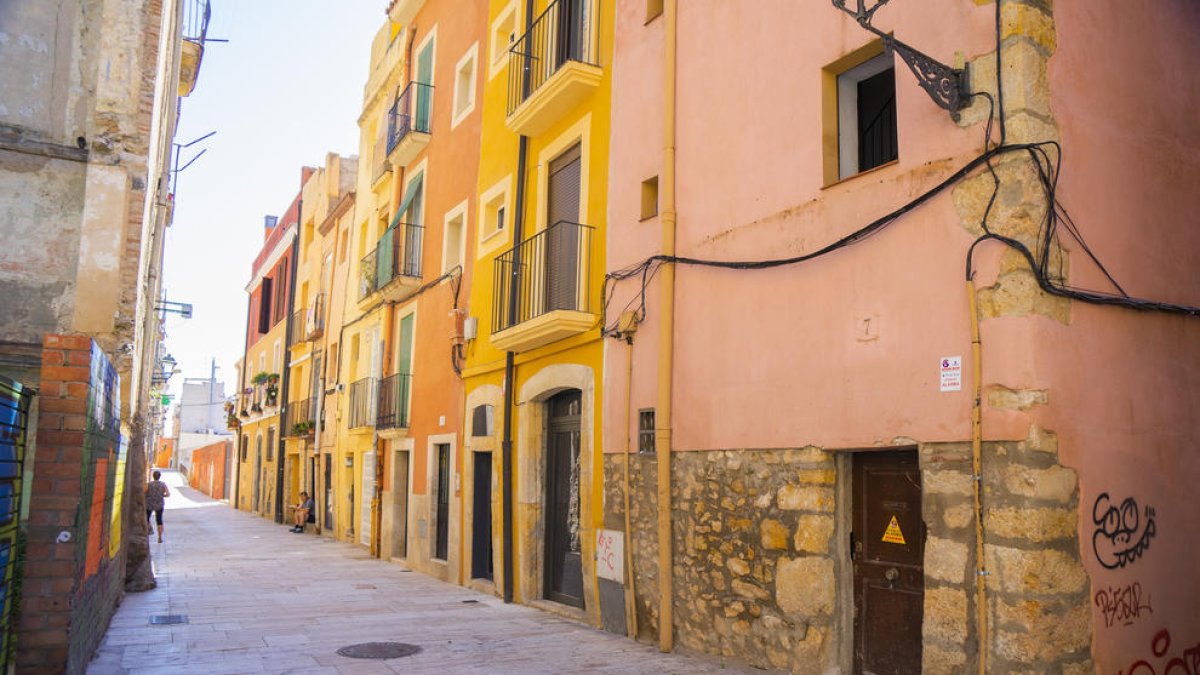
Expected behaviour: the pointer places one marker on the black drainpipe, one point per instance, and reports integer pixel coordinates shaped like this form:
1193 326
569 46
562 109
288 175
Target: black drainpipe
506 445
281 449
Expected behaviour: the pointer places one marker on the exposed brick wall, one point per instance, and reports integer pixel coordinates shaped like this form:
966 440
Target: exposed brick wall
72 578
207 473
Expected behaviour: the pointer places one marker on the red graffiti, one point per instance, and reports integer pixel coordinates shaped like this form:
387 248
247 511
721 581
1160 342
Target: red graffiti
1188 663
1122 604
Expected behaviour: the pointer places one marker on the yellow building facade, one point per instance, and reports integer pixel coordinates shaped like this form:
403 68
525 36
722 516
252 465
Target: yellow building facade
535 302
326 210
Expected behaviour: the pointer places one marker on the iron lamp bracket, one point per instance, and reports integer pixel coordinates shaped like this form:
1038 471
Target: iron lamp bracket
948 87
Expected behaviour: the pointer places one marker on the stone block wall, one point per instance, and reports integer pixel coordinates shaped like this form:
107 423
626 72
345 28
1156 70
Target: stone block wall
74 570
762 574
755 569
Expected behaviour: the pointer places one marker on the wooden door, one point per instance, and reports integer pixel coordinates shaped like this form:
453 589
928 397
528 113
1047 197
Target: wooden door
563 558
562 232
400 505
481 519
888 556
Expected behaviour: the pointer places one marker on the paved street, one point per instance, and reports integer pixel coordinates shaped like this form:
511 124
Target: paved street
261 600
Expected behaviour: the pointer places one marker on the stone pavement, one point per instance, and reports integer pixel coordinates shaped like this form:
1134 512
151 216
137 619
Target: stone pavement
259 599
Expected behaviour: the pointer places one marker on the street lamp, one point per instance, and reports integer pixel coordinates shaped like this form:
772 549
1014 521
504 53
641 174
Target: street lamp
183 309
168 364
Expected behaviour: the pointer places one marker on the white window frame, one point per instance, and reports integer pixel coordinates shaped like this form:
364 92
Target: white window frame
472 58
490 238
456 213
497 52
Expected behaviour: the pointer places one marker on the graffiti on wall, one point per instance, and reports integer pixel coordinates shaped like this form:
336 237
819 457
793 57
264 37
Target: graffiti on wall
1122 604
1123 532
1184 663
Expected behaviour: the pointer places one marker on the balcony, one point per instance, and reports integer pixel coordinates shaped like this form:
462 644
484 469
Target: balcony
393 402
363 402
404 11
554 66
299 420
194 31
408 123
393 269
308 324
550 302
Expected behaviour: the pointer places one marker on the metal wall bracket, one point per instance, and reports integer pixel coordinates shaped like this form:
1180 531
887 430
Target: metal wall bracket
948 87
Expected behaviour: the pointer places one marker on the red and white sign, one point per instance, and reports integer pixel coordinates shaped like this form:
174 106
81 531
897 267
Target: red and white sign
610 555
951 373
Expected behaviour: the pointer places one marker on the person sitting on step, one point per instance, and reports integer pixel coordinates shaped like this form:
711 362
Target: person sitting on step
302 513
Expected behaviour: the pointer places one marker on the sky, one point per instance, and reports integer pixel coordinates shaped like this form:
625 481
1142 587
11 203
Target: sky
286 89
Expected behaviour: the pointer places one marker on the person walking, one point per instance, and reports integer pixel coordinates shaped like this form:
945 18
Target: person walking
156 495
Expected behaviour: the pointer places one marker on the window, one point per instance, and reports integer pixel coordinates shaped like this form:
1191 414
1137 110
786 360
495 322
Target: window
271 444
482 420
281 289
264 306
503 35
866 112
452 237
464 86
646 430
650 198
345 246
276 362
654 9
495 212
245 447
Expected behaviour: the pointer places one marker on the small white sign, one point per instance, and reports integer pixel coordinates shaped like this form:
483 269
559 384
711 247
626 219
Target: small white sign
610 555
951 373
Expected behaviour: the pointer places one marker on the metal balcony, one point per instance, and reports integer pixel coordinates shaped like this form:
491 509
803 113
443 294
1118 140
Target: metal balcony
299 420
393 402
394 267
409 123
551 299
363 402
554 66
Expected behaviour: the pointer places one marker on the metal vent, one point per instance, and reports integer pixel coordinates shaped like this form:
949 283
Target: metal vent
167 619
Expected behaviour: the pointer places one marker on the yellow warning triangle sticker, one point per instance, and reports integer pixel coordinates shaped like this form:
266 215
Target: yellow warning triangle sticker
893 535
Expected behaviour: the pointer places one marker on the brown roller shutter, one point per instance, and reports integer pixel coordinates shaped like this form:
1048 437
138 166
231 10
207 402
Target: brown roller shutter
562 235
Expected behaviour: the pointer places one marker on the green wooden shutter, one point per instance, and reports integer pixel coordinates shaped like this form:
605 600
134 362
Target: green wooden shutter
424 93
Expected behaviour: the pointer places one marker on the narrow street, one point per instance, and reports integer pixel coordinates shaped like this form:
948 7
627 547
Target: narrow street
258 599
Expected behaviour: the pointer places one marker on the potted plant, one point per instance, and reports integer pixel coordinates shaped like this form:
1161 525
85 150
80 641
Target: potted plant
272 395
302 428
260 378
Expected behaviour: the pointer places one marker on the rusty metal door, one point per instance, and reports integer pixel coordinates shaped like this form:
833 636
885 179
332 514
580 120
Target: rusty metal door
888 549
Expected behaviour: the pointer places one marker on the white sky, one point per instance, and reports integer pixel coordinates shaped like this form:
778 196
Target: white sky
285 89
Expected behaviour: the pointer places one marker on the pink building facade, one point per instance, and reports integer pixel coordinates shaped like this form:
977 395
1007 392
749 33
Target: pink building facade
830 493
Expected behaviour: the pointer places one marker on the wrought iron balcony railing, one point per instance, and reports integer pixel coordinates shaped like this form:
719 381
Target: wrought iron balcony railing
398 254
367 274
563 33
363 402
551 268
314 320
296 328
393 401
300 418
411 112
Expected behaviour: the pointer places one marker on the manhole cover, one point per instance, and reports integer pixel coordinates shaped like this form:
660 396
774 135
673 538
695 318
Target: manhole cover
470 602
379 650
164 619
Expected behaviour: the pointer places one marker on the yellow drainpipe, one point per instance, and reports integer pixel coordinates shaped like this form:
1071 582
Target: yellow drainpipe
977 470
631 592
666 337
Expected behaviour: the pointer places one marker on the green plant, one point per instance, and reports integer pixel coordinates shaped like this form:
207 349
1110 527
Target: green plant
260 378
302 428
